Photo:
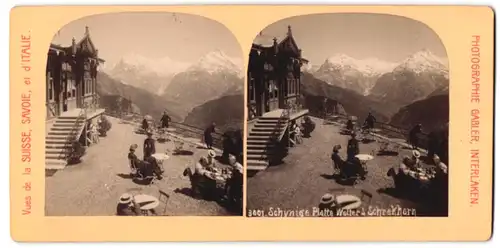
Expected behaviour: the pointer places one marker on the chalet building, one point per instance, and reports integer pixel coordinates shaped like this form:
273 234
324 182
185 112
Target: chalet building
274 78
71 76
71 97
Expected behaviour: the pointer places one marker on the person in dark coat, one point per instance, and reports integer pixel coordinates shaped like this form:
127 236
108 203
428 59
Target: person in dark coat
165 119
149 146
338 162
208 135
433 143
145 124
350 125
352 147
370 121
414 132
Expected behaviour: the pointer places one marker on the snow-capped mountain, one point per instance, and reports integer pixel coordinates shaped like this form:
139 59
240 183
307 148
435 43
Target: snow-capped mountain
150 74
354 74
424 61
156 74
214 75
418 76
216 62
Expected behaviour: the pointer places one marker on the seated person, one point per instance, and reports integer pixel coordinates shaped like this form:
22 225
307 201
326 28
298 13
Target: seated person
327 205
353 168
204 182
235 183
338 162
133 160
127 206
151 168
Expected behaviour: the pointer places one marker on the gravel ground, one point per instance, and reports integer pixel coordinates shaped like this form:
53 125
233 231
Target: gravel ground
92 187
304 176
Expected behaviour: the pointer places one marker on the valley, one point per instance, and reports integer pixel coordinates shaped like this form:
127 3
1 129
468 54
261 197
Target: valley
415 90
195 94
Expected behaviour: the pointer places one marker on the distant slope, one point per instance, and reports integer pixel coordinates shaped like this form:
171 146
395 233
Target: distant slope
432 113
227 112
314 91
147 102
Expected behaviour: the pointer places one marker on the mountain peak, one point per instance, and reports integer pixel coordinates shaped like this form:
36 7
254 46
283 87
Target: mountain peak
424 60
368 66
217 61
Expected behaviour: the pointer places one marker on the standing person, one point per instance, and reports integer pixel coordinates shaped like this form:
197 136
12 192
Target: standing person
149 146
370 121
208 135
352 147
165 119
145 124
414 132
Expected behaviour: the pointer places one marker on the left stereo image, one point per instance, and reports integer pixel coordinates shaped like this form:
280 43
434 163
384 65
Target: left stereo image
144 117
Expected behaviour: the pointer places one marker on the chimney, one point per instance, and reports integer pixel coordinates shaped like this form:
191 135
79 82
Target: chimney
86 30
275 45
300 53
289 30
73 46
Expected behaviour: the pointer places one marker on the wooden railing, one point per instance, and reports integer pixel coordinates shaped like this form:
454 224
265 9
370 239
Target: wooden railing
182 129
74 134
391 131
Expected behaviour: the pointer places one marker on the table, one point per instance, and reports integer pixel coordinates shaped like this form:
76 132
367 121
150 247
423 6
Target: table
160 157
348 202
364 157
146 202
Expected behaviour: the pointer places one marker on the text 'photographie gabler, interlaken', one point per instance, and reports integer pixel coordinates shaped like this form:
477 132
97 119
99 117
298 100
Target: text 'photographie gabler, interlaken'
348 117
145 113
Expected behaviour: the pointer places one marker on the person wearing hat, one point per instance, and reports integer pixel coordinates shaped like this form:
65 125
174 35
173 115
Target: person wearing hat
338 162
326 204
145 124
149 146
352 147
134 161
234 186
165 119
207 135
413 135
127 206
370 121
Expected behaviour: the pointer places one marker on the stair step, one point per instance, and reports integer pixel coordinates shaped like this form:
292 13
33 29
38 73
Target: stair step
260 138
272 125
267 134
67 121
55 164
67 117
271 130
259 147
58 142
55 138
69 124
55 156
58 146
257 165
270 118
54 151
256 157
60 133
258 152
55 129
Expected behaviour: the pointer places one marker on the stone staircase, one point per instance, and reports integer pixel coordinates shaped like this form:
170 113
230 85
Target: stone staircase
59 139
261 146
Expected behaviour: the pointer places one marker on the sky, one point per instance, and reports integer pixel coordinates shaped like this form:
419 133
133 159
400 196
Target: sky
361 36
181 37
